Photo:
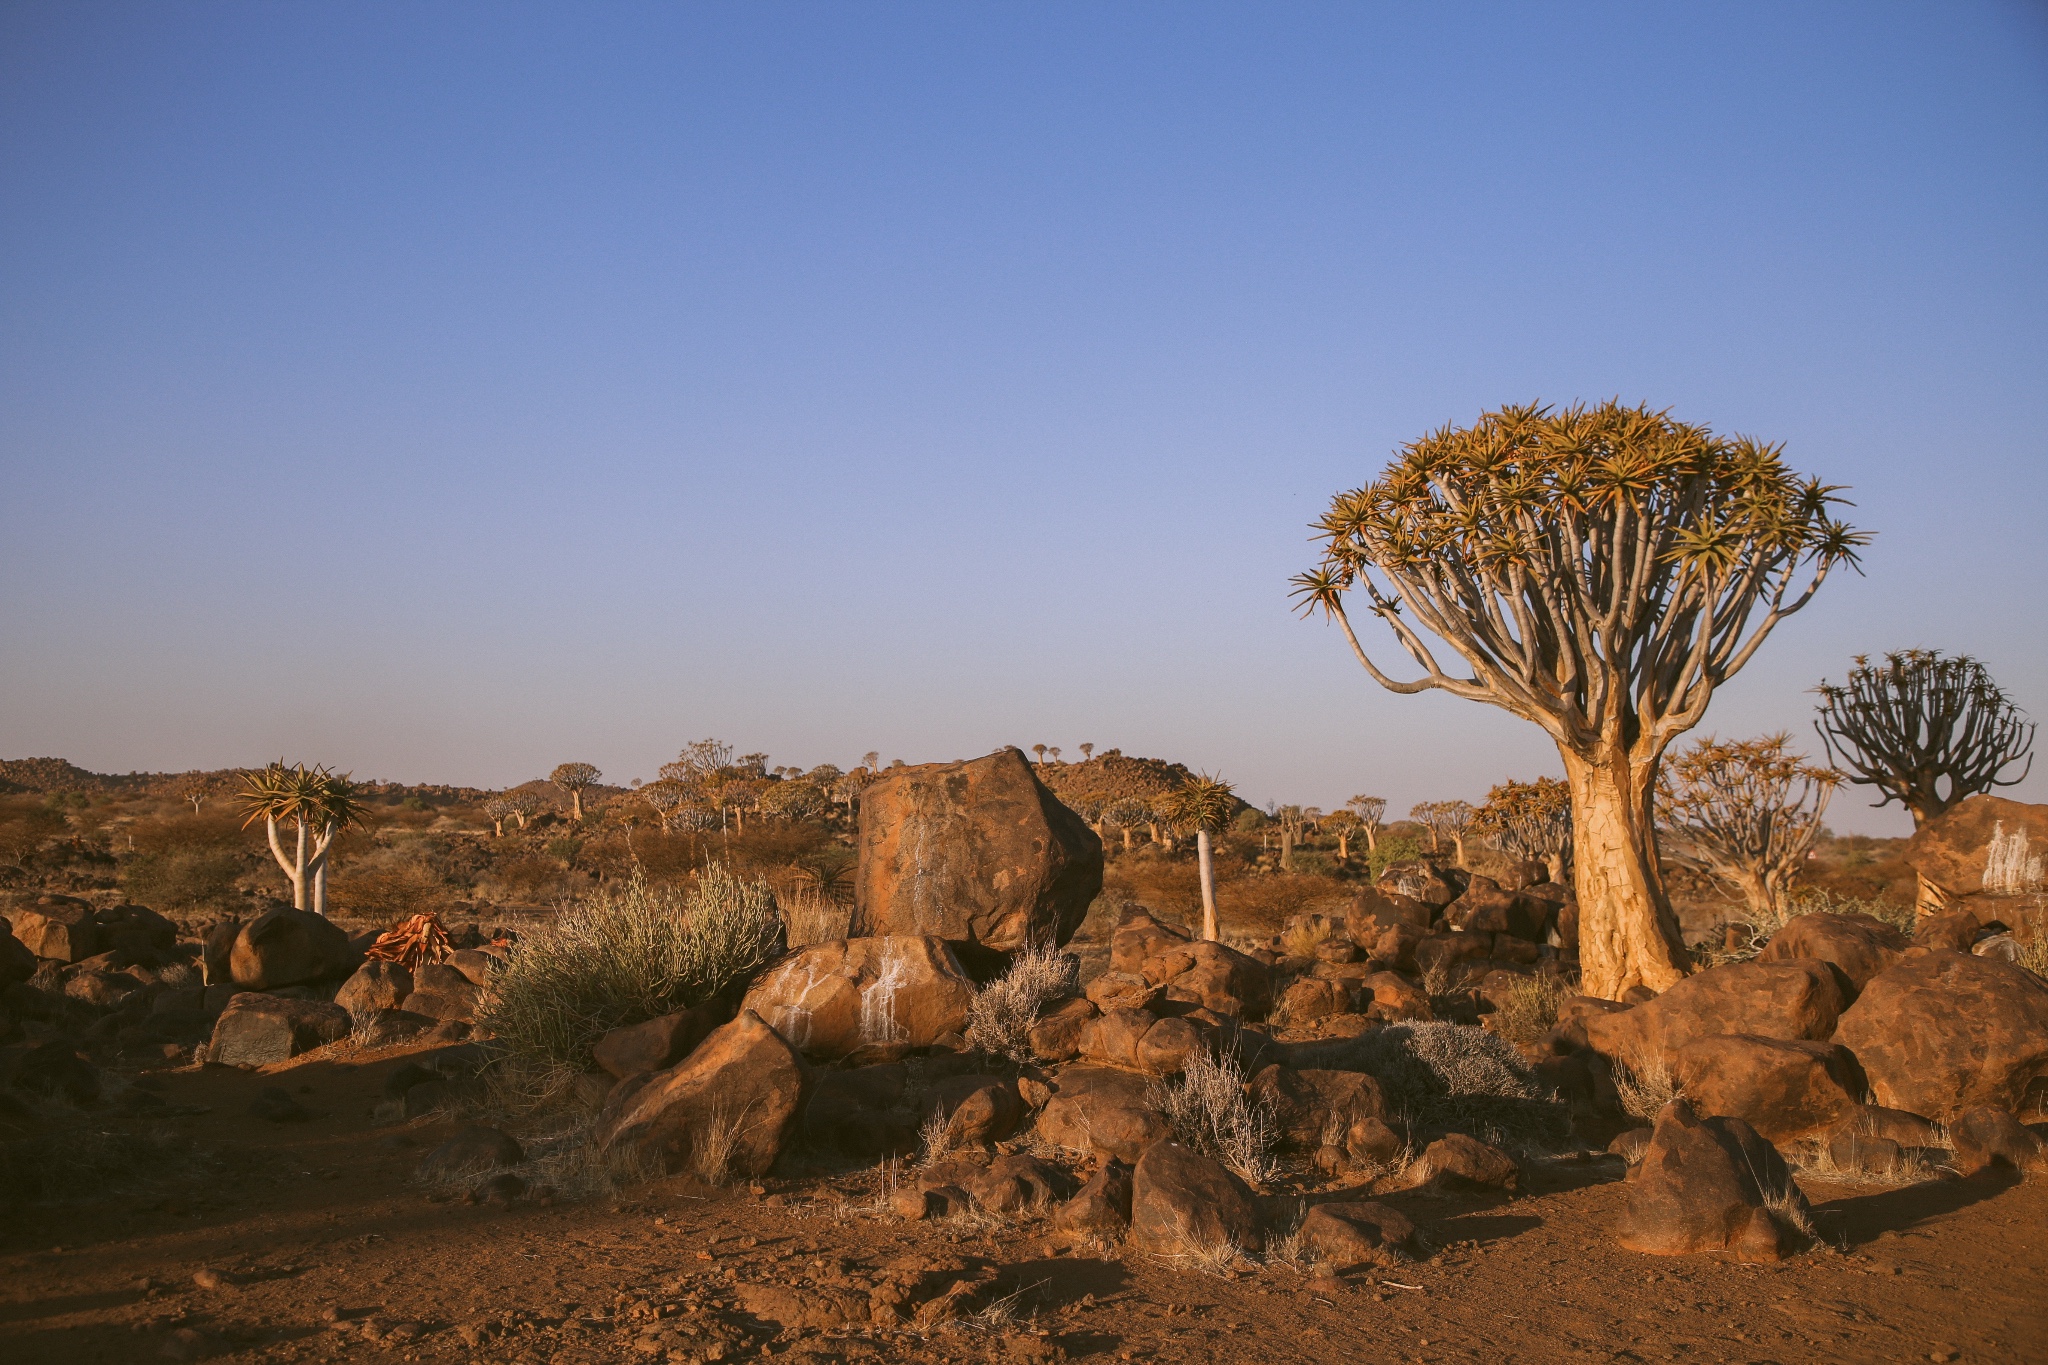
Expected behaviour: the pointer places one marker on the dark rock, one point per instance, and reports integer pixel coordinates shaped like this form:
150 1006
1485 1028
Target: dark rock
286 948
1102 1110
376 985
1984 1136
1712 1184
1103 1205
1183 1203
53 1069
1784 1090
744 1075
1057 1032
257 1029
1458 1162
1354 1234
1945 1032
274 1104
657 1044
474 1149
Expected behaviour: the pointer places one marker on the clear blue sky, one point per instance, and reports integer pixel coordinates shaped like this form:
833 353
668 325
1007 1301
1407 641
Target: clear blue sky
446 391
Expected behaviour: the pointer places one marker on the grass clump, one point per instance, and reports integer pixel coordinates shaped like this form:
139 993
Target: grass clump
627 955
1527 1011
1464 1079
1212 1111
1645 1085
999 1021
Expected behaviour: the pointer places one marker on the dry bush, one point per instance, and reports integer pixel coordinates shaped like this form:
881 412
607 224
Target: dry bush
999 1021
713 1143
1527 1011
1212 1111
629 954
193 880
1303 934
1466 1079
1646 1085
809 916
1905 1168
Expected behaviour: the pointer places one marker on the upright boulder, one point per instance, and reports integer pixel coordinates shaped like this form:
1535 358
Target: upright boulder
741 1088
1102 1111
286 947
1953 851
1861 945
1712 1184
62 928
377 985
832 999
1186 1204
657 1044
1798 999
977 852
1943 1032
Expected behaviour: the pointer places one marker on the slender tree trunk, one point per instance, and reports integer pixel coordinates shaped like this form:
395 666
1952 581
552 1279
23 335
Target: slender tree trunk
1372 840
1343 846
1127 838
295 873
1286 849
1207 869
576 801
1458 843
1628 935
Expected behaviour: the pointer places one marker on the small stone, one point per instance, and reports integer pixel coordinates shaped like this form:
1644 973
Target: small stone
209 1278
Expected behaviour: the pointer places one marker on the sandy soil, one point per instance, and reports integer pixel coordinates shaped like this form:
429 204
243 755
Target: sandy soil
320 1230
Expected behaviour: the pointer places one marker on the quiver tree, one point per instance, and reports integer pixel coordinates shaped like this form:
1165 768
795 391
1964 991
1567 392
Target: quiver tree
1444 820
1599 571
1529 820
1925 730
498 810
1202 804
1747 813
1291 820
319 804
664 797
1343 824
525 805
1370 810
573 778
1127 813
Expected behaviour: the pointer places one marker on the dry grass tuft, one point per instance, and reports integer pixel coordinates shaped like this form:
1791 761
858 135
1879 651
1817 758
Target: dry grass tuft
1212 1111
1646 1085
1527 1011
999 1021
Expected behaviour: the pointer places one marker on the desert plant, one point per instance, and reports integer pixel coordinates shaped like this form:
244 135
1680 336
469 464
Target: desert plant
1000 1019
1444 820
1453 1076
1924 729
1370 810
183 879
1203 803
1747 812
319 803
1529 820
1212 1111
1645 1084
1601 571
1526 1012
1127 813
630 953
575 779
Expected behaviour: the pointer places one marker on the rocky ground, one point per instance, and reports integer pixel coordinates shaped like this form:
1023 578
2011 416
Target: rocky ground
314 1240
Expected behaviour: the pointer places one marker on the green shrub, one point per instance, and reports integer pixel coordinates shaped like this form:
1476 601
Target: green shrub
1395 848
628 954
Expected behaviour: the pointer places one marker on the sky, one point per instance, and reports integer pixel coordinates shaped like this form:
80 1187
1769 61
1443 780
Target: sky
444 392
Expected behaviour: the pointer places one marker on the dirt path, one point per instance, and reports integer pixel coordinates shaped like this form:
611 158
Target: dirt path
317 1220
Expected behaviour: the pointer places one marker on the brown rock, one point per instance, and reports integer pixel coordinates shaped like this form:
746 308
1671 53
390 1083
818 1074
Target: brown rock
258 1030
1504 869
377 985
1312 998
1056 1033
1313 1108
1102 1110
1103 1204
979 852
1488 908
1354 1234
831 999
17 962
1953 849
1892 1125
62 928
1395 947
1395 997
1141 936
1421 880
1458 1162
743 1076
287 947
1170 1044
1946 1032
1216 978
1798 999
1954 930
1115 990
1784 1090
1984 1136
978 1110
1377 910
1183 1203
1711 1184
656 1044
478 967
1861 945
1112 1038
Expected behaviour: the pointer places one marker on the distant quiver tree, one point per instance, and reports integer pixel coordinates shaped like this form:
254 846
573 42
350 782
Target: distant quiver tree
573 778
1746 812
1600 571
1531 820
1202 804
1925 730
1370 810
319 804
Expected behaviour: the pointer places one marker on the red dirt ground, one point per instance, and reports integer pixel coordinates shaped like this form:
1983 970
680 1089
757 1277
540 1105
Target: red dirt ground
320 1220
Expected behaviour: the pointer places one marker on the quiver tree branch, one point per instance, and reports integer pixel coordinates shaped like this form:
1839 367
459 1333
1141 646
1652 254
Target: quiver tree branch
1596 571
1925 730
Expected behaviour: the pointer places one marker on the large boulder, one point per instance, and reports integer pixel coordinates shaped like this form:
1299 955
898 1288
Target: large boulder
1953 850
739 1090
1348 1234
1103 1204
442 992
1798 999
376 985
62 928
1191 971
1784 1090
1861 945
137 933
1486 907
1102 1111
17 961
832 999
258 1030
1312 1109
288 947
978 852
1422 880
1943 1032
1186 1204
1712 1184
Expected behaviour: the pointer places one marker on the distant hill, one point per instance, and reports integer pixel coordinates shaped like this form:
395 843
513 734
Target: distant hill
1111 776
43 776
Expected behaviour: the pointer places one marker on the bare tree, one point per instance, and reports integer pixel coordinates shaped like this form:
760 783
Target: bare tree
1039 749
575 778
1370 810
1127 813
1530 820
1203 803
525 805
1087 752
1344 824
1055 752
664 796
1290 819
498 810
1747 812
1919 720
1600 571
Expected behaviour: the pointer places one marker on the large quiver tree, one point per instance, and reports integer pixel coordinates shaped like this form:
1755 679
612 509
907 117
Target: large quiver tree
1600 571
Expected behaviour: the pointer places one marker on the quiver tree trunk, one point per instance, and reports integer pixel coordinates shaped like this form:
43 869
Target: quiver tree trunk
1628 933
1206 869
